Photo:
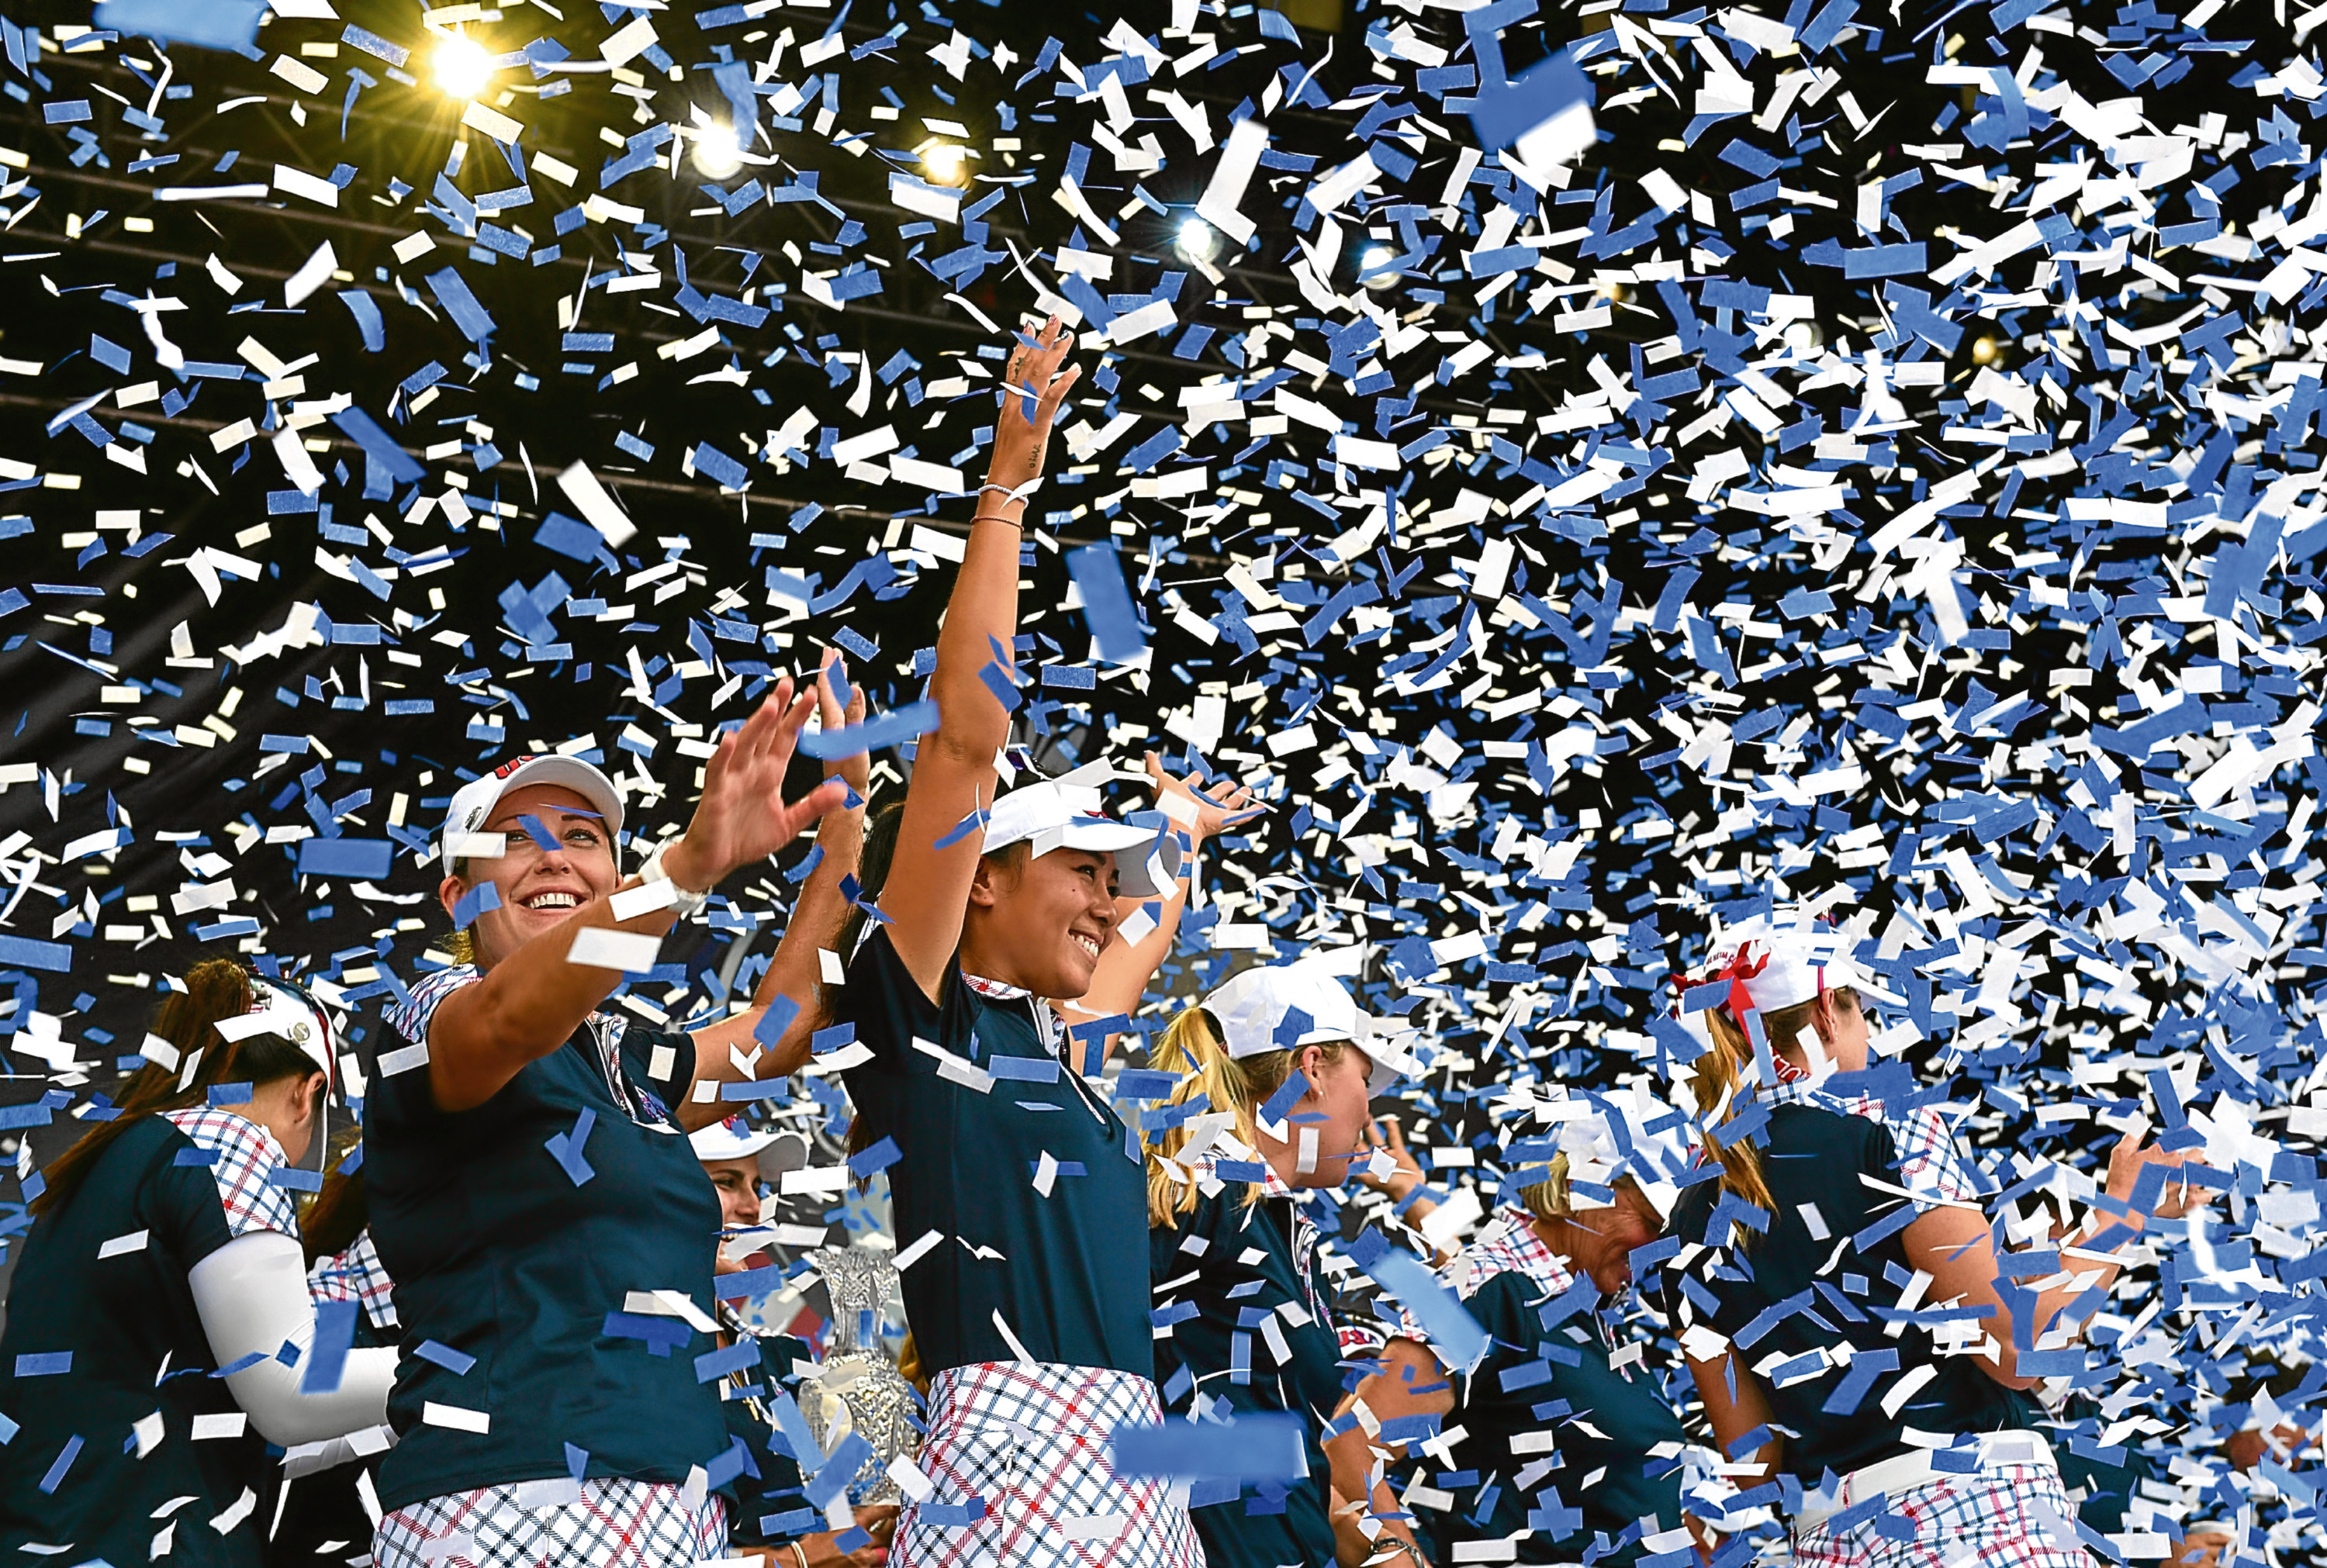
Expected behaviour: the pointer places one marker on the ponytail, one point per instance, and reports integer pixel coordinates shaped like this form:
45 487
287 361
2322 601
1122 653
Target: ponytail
1238 1086
215 989
1721 1071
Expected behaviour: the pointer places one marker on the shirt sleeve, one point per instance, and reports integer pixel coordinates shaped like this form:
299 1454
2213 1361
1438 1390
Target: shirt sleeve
243 1158
1930 1162
885 1001
411 1017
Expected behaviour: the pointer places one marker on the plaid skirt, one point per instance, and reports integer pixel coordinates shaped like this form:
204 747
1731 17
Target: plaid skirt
2015 1515
614 1522
1024 1448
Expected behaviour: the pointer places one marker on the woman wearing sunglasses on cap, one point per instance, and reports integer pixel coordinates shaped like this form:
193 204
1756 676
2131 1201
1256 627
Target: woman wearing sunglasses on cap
1278 1066
1836 1215
1569 1441
1029 1305
530 1188
165 1252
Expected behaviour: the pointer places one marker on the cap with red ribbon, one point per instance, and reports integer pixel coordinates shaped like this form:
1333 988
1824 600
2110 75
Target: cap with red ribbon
1775 961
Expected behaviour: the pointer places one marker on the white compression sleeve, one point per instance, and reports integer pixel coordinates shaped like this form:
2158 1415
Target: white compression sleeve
252 1296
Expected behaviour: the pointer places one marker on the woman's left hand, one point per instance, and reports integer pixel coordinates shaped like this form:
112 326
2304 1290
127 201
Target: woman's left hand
1210 815
742 816
855 771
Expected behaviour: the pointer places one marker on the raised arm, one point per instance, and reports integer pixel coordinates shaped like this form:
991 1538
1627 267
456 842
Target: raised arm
1125 968
927 890
1954 1247
796 969
529 1003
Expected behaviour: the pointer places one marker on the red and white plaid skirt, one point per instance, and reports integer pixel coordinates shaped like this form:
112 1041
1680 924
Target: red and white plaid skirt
2013 1514
613 1523
1029 1439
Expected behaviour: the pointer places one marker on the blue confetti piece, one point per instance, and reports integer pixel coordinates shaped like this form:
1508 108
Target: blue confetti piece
1107 603
1453 1333
896 727
777 1018
361 859
327 1359
365 310
477 901
566 1148
204 24
538 831
452 292
1257 1446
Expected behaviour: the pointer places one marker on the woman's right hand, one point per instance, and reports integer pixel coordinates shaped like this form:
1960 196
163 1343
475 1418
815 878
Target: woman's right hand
1034 388
742 816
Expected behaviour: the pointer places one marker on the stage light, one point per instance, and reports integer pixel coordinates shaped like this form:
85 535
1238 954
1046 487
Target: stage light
717 153
461 67
1197 240
945 164
1803 336
1371 267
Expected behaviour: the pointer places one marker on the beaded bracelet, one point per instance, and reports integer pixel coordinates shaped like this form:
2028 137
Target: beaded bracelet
1020 494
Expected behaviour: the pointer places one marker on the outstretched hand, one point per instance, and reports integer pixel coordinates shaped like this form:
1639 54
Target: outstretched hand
1210 815
2126 1163
1033 388
742 816
855 771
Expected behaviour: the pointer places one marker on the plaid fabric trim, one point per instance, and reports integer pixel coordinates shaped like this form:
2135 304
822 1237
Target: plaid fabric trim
410 1018
1029 1441
1508 1244
243 1155
615 1524
356 1275
1929 1158
2016 1516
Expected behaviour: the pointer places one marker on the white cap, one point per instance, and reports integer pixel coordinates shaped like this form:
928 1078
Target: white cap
1059 814
279 1007
733 1139
473 805
1779 961
1251 1010
1585 1131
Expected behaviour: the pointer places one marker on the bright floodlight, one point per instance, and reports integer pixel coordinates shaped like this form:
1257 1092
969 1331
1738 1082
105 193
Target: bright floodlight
1198 240
717 153
1369 265
461 67
945 164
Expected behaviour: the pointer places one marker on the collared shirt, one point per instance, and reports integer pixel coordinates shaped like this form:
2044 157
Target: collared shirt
557 1233
1033 1182
1245 1321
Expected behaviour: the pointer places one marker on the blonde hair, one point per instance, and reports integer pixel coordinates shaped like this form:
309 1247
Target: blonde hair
1239 1086
1550 1198
1721 1070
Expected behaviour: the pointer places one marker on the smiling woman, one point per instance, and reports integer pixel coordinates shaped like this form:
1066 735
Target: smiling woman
528 1184
998 916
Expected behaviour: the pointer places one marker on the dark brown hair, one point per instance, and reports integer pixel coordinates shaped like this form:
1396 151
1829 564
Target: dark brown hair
215 989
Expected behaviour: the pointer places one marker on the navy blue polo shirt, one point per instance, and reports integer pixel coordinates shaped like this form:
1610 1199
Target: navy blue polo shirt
1797 1290
90 1331
1599 1480
526 1247
1224 1274
1065 1270
769 1507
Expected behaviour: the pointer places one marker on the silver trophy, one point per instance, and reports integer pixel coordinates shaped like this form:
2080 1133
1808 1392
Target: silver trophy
858 1388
